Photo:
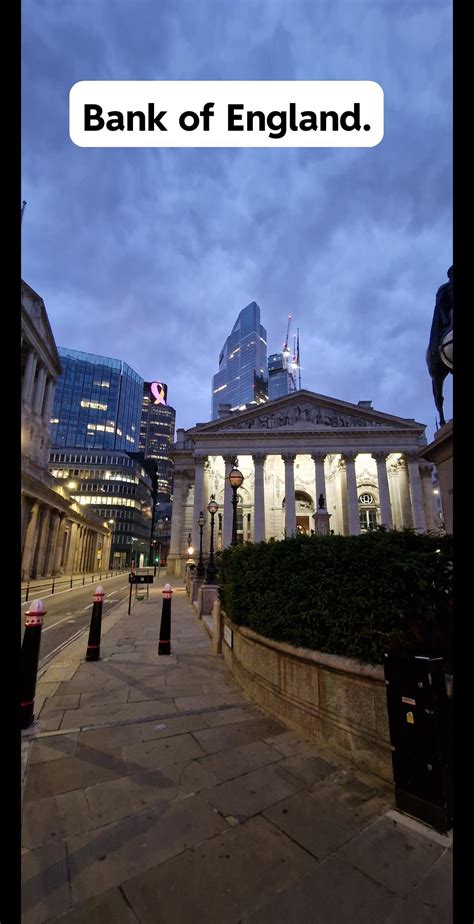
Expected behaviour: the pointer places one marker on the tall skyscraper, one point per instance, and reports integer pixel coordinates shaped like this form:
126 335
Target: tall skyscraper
242 377
95 425
280 379
97 403
157 434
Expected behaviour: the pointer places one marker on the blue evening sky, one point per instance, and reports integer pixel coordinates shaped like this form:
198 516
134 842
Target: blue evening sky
148 255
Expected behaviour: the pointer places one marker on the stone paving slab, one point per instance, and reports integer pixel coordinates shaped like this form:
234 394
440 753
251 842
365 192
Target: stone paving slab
221 880
155 791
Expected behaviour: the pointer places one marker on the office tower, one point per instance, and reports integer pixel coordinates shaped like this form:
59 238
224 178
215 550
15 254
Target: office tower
242 378
95 424
280 379
157 435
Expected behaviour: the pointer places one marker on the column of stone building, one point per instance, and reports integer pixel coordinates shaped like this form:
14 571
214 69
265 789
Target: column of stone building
290 503
199 499
405 498
42 544
428 500
52 541
29 377
90 552
27 504
30 539
416 492
82 549
58 554
320 482
77 549
259 497
227 531
394 489
38 394
352 499
174 555
386 518
48 401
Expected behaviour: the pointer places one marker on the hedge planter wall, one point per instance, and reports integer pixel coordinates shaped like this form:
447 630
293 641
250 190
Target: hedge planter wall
354 596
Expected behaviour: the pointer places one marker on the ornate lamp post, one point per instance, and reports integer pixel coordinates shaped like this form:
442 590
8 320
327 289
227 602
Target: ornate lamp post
235 480
211 571
200 570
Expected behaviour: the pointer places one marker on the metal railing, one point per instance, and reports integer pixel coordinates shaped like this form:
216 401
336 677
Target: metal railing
75 580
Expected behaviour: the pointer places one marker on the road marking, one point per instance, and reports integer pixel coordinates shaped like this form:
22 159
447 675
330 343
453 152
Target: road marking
111 593
58 623
60 647
88 607
68 590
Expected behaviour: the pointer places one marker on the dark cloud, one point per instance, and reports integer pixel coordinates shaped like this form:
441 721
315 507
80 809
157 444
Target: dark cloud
149 255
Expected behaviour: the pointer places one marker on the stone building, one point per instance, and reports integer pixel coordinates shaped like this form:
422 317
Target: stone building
56 535
292 450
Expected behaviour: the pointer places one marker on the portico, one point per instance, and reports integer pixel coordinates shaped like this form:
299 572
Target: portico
290 451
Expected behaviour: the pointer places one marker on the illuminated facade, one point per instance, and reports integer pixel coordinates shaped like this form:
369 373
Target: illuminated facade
57 534
242 379
280 381
97 403
157 435
117 489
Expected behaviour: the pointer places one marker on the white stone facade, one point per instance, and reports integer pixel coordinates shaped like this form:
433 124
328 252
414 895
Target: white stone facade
290 451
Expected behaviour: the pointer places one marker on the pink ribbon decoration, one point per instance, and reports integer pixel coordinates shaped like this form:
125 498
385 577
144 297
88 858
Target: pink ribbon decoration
158 392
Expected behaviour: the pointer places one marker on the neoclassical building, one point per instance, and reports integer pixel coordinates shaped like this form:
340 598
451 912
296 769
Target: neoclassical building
56 534
291 450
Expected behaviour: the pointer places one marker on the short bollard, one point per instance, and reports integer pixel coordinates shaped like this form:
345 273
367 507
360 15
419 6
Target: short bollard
30 650
164 644
93 645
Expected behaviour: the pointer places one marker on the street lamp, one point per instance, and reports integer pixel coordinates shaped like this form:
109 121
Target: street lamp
211 570
200 570
235 480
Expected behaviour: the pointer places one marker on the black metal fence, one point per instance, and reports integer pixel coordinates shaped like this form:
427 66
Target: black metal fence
54 584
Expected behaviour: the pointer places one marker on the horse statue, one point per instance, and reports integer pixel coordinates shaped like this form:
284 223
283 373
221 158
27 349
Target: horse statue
442 325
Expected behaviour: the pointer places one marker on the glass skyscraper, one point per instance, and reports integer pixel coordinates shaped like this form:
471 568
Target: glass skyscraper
241 379
157 434
280 379
97 403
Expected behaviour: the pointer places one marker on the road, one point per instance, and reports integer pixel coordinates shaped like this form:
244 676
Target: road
69 611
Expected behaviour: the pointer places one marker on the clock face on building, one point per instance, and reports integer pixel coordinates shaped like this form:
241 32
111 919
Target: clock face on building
159 392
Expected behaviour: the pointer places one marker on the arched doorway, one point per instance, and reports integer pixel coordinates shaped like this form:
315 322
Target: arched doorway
304 509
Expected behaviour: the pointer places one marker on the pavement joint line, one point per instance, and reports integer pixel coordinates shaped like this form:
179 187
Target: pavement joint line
145 720
445 840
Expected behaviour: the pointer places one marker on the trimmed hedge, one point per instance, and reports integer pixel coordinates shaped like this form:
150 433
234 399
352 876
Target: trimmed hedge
358 596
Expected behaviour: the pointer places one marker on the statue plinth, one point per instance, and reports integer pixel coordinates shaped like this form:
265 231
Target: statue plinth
440 451
321 522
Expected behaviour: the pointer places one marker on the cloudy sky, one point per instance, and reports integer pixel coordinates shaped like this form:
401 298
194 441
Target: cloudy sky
148 255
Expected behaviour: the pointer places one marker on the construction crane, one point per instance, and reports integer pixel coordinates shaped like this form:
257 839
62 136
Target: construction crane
286 351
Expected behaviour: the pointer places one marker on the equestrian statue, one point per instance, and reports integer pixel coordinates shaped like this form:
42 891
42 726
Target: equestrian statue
439 355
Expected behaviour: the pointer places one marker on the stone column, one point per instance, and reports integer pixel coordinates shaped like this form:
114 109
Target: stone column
416 492
39 390
77 549
352 499
174 555
58 554
48 401
386 518
227 531
405 501
320 483
52 541
26 508
290 504
259 497
42 545
29 377
30 540
199 472
70 562
428 499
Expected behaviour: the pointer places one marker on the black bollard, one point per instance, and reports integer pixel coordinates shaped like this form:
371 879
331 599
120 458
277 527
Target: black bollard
30 650
93 645
164 644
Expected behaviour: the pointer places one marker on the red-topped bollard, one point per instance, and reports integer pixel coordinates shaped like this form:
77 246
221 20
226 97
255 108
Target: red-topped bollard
30 650
93 645
164 644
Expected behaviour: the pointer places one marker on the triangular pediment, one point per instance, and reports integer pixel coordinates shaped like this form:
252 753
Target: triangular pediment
35 320
306 411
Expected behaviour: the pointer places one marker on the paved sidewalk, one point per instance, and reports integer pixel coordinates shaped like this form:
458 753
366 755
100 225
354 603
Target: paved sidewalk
154 791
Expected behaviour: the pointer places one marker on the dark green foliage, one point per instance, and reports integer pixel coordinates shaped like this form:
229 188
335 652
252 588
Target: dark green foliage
357 596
